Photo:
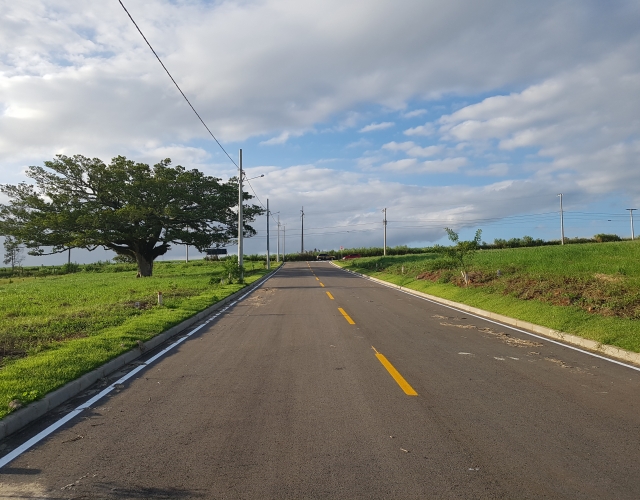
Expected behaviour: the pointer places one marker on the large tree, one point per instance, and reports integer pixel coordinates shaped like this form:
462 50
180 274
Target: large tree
128 207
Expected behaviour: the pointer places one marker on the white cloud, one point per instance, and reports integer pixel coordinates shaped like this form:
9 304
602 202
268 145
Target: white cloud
281 139
426 130
414 113
411 165
412 149
373 127
493 170
362 143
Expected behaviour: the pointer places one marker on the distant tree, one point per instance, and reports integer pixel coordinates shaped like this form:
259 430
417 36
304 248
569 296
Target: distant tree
128 207
12 252
461 252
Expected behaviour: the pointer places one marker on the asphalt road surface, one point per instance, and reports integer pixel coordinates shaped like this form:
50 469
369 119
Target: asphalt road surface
321 384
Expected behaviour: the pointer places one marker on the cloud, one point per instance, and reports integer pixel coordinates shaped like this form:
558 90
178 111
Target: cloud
411 165
376 126
584 121
362 143
281 139
425 130
493 170
414 113
412 149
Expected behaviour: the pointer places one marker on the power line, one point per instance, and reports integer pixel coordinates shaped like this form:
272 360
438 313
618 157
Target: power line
176 84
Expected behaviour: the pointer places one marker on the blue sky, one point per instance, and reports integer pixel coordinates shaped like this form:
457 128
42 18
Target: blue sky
444 112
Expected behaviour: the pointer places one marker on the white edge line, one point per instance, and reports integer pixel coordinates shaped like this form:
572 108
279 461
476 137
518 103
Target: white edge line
541 337
76 411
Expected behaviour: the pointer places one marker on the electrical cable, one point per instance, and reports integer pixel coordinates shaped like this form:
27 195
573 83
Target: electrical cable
176 84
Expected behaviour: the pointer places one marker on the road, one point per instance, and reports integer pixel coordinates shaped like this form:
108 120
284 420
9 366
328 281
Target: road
321 384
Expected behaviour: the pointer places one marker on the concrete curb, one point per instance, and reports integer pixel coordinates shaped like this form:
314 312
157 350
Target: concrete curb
591 345
24 416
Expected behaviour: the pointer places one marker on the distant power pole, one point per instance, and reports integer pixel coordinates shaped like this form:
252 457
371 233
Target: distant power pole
278 243
240 251
631 214
561 221
302 233
268 257
284 242
384 224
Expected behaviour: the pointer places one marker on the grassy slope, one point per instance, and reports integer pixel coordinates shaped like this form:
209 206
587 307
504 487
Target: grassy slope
69 325
619 261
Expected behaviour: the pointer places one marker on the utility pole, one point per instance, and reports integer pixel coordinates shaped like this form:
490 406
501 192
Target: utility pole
69 257
631 214
240 252
561 221
268 257
284 242
302 233
187 260
278 244
384 224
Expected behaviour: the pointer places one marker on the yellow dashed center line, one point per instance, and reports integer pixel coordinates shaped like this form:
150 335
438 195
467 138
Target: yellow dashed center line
404 385
321 285
317 278
346 316
330 296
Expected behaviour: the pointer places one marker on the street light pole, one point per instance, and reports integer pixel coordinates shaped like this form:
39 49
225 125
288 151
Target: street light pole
278 243
268 257
631 214
384 223
561 221
284 242
302 233
240 250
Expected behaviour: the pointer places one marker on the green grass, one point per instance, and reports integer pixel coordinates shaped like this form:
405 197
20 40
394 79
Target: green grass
54 329
589 290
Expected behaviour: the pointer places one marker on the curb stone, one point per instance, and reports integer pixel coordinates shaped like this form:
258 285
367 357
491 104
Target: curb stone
24 416
596 347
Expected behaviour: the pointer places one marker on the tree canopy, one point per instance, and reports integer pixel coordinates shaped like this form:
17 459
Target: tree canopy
128 207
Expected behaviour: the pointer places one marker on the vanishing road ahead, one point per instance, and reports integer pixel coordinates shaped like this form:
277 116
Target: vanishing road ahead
321 384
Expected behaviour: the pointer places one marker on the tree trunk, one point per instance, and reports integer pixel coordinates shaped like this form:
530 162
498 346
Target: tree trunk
145 266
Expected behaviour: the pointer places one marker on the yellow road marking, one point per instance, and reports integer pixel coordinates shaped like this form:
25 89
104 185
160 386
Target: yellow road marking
321 285
330 296
317 278
346 316
404 385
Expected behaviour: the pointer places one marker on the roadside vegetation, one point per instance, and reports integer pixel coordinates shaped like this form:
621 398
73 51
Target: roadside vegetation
59 322
591 290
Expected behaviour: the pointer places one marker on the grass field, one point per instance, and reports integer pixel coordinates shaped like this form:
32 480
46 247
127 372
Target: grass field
55 328
590 290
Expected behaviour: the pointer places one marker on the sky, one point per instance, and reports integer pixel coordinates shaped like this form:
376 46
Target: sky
447 113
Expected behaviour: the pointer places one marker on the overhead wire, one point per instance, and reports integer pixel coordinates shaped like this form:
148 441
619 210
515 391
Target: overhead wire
176 84
186 99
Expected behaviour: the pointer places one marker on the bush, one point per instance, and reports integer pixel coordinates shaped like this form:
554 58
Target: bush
603 238
69 268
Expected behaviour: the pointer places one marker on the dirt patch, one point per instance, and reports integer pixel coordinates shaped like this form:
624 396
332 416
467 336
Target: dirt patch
566 366
504 337
28 490
608 277
260 297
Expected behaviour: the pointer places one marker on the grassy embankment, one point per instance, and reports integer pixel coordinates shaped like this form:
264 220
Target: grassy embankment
589 290
55 328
